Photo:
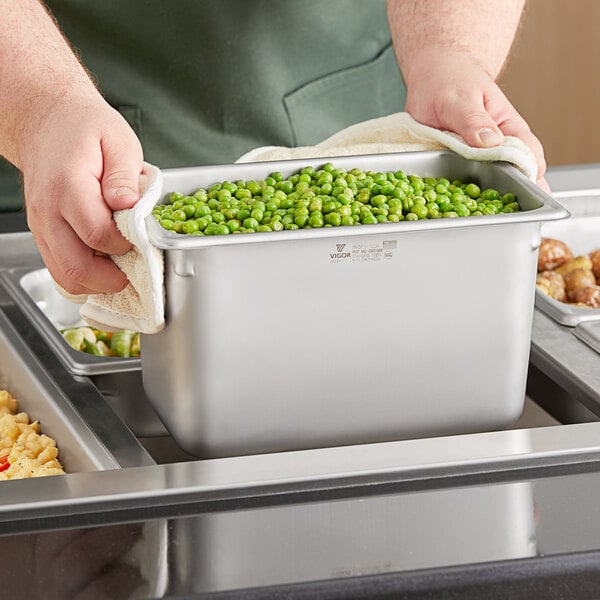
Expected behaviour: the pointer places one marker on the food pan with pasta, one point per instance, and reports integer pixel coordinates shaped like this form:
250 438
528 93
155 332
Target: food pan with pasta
40 431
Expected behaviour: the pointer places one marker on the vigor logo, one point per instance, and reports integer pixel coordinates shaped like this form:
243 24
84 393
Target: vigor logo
339 253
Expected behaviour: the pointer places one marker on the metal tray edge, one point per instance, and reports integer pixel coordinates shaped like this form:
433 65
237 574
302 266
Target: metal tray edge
78 363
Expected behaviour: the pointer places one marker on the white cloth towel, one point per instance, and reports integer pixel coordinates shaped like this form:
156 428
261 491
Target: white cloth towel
140 306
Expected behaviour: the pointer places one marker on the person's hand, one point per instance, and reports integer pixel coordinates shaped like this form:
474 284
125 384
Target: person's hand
81 162
454 93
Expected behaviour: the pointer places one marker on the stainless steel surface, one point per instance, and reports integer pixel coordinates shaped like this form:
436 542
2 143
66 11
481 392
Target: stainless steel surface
347 538
125 394
19 250
36 393
566 179
118 379
589 333
581 232
567 361
262 476
346 335
353 522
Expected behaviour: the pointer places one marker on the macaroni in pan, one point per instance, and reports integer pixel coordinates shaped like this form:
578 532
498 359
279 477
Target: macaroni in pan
24 452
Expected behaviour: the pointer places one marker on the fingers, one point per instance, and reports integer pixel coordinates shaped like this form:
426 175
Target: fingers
468 117
75 266
515 125
123 164
83 207
70 229
482 115
544 185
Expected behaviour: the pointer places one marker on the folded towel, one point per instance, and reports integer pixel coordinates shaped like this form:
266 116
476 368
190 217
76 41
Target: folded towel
140 306
399 133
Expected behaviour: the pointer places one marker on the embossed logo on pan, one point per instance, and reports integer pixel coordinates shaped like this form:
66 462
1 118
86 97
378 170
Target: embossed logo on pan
339 252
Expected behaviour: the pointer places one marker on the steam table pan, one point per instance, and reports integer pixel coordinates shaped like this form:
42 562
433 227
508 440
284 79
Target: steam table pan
582 234
37 395
117 378
324 337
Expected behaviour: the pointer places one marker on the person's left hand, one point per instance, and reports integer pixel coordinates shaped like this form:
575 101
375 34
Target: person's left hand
454 93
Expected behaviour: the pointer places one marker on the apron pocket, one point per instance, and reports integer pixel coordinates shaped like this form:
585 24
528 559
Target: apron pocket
326 105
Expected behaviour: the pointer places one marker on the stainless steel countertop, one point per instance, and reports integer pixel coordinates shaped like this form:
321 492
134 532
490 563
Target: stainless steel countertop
551 473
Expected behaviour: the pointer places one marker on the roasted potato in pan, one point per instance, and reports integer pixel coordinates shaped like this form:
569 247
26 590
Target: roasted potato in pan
568 278
552 254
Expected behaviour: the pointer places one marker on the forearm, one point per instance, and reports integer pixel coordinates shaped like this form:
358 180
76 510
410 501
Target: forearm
482 31
38 71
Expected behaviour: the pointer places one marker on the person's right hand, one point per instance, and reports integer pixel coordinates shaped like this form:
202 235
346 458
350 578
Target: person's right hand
81 162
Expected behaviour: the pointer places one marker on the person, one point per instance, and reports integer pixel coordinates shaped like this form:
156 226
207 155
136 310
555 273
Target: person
197 82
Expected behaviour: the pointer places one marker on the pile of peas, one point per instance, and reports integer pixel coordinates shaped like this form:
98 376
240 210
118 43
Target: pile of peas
325 197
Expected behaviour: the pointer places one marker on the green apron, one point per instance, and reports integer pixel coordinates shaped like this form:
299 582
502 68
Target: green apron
204 81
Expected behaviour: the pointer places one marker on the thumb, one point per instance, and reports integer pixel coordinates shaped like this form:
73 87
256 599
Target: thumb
474 124
120 182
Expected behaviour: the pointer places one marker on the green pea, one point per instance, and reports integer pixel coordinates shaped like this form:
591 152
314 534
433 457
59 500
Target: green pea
190 226
301 220
471 204
461 210
257 214
203 223
224 194
243 214
251 222
490 194
233 225
420 210
166 223
221 229
253 187
201 211
334 219
473 190
316 220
